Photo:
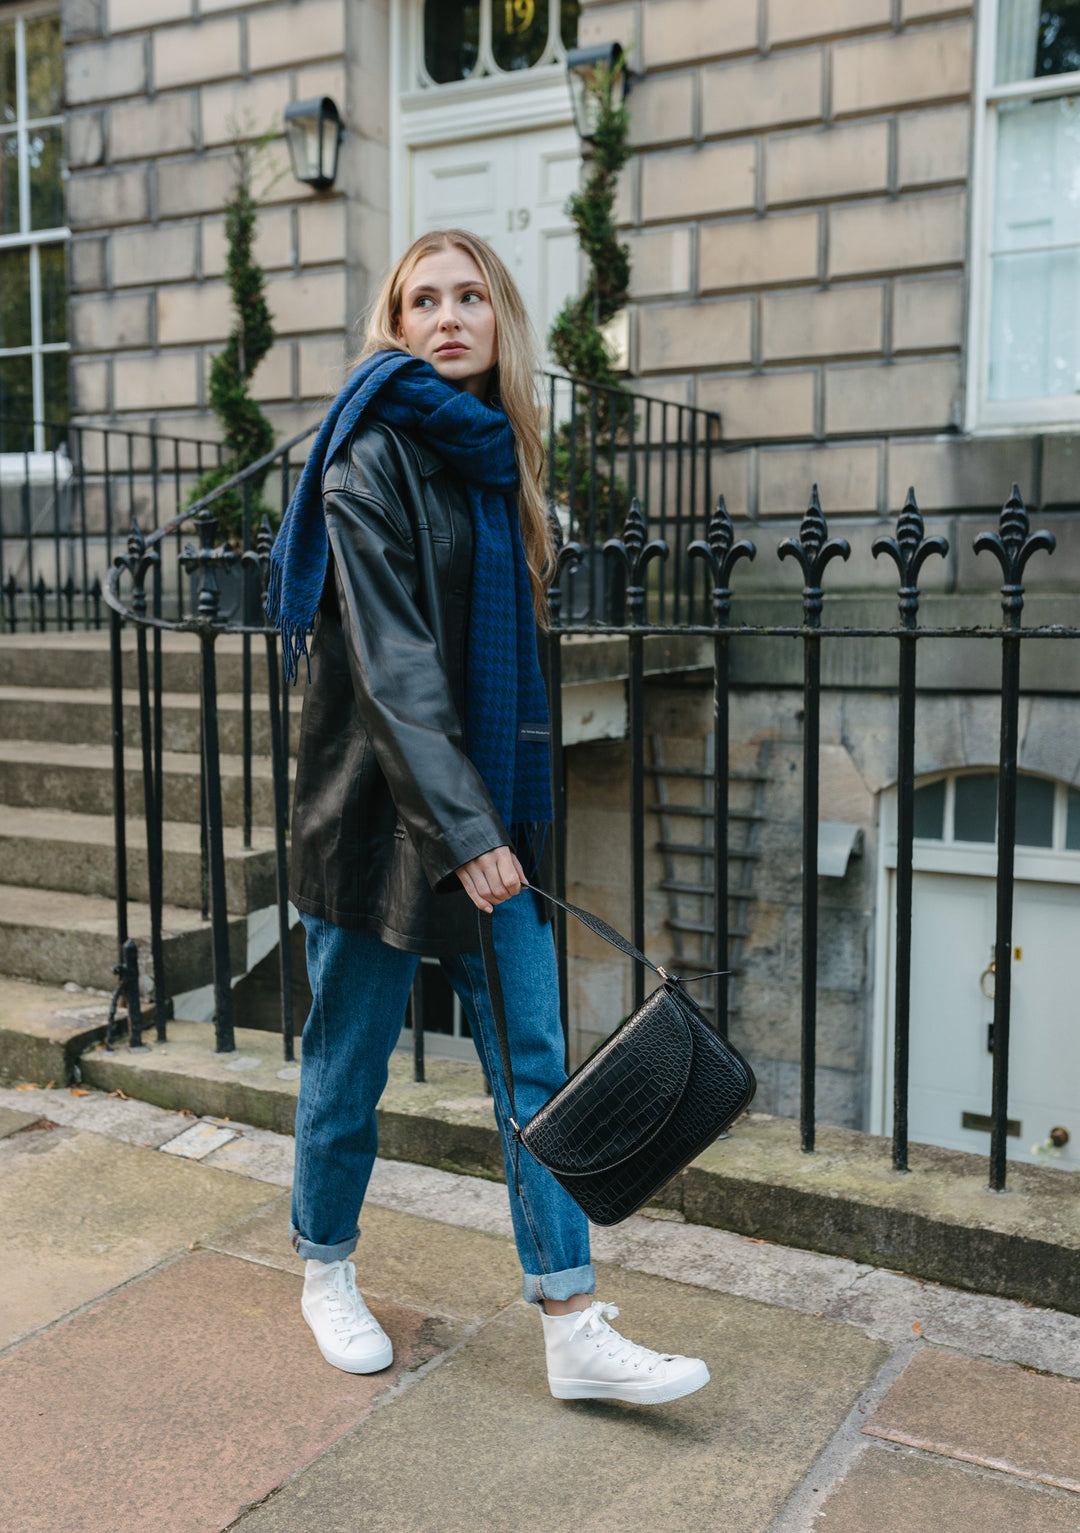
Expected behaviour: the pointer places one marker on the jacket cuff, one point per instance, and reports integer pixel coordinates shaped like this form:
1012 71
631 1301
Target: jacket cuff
470 838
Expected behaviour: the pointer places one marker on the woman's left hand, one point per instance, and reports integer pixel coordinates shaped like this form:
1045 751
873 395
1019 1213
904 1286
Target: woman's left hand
492 878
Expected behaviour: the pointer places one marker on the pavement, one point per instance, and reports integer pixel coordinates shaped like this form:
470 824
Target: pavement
155 1373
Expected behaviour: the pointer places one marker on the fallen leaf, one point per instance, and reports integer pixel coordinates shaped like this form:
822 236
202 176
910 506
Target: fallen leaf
80 1091
121 1094
184 1112
49 1085
917 1326
27 1086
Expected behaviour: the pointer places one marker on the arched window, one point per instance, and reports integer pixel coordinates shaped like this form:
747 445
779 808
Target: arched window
467 38
961 808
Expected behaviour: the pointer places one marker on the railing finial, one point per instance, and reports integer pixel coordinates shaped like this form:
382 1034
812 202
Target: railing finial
1012 546
909 551
813 549
721 553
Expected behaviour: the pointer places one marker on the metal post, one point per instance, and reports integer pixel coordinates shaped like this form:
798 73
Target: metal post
909 550
721 553
1012 545
813 551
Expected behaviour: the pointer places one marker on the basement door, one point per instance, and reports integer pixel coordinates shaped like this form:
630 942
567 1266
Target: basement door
952 989
510 189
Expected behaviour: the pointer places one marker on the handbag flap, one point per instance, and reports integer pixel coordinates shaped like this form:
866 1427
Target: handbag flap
621 1097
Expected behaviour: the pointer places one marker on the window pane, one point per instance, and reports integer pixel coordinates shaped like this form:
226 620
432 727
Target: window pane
519 30
7 72
1036 38
9 184
451 38
53 294
570 11
44 67
1059 38
55 369
930 811
46 187
975 808
14 298
1034 812
1035 277
16 403
1072 822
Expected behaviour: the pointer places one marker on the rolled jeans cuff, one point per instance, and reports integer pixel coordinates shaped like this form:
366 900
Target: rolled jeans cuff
311 1252
558 1285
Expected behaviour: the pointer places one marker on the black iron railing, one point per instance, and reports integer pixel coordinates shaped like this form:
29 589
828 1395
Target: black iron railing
648 581
64 511
68 494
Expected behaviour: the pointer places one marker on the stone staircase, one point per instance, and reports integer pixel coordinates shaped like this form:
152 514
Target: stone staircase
57 859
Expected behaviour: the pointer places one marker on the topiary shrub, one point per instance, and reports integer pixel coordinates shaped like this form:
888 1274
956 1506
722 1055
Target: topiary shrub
247 434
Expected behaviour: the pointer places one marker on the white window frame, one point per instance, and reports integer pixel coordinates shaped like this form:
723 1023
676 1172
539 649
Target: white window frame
486 68
1004 416
27 238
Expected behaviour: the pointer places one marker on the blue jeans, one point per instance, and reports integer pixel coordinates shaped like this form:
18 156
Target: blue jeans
360 988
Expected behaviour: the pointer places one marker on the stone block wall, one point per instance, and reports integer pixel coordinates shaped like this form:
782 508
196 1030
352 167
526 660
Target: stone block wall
155 95
797 210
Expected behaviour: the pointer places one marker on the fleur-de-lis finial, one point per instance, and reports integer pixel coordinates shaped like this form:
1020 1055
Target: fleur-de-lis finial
909 551
721 553
814 550
635 552
1012 546
137 560
208 559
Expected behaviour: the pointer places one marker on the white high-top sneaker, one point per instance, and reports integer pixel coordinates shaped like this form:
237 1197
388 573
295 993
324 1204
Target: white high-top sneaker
588 1360
347 1332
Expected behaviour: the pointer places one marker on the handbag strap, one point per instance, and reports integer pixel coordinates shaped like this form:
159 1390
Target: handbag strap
494 982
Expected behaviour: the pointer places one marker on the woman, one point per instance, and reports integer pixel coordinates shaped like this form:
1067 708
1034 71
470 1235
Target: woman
419 539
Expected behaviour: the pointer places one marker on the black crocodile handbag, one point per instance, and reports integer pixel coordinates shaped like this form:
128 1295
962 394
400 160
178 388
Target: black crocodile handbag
639 1109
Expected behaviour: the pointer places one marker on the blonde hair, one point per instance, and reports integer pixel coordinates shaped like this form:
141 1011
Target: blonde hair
516 381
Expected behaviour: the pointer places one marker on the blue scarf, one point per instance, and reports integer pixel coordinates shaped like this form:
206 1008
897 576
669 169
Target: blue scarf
504 690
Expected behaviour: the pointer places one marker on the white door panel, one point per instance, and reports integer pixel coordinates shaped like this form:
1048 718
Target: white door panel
511 190
953 928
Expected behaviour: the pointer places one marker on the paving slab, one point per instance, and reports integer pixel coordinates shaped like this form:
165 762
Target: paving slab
897 1492
84 1213
482 1444
12 1121
417 1262
179 1400
44 1029
985 1413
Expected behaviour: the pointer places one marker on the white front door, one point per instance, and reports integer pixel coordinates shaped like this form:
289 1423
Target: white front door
952 1008
510 189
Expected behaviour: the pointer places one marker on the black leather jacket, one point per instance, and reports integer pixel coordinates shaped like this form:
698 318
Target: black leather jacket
386 802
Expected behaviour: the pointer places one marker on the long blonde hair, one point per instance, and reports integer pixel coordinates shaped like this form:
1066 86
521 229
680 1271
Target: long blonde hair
516 381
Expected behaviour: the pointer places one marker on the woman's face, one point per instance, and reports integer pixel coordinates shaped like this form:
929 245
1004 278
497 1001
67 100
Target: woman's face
447 318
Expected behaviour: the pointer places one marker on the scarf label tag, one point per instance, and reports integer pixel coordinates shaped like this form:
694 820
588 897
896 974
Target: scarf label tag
534 734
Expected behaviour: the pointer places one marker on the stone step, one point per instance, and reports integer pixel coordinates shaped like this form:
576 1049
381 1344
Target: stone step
55 938
56 849
83 716
38 774
82 659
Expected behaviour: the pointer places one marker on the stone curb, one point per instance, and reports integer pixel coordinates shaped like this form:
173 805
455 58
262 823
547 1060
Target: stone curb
939 1222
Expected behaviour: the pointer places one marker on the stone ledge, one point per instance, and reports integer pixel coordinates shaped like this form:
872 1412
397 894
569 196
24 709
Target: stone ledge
939 1222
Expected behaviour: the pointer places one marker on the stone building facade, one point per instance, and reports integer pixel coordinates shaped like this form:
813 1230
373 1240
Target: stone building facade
836 212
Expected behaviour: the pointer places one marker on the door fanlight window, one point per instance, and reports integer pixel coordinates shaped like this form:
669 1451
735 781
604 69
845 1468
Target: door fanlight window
464 39
961 808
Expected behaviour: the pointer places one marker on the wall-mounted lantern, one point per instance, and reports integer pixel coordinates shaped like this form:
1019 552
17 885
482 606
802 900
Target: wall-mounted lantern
313 130
581 67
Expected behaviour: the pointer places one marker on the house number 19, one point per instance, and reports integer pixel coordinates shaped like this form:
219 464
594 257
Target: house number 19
517 218
520 15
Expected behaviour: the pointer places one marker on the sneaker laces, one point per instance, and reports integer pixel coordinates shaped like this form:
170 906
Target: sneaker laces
593 1324
348 1313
